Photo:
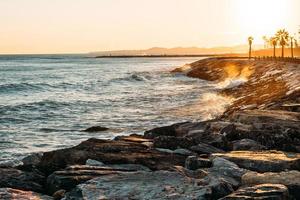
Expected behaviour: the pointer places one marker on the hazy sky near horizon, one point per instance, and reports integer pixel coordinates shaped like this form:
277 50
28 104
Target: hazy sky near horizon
79 26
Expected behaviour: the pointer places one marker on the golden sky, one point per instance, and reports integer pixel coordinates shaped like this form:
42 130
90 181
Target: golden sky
79 26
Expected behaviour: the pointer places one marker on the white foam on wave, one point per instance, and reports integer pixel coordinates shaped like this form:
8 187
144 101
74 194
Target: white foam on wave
231 83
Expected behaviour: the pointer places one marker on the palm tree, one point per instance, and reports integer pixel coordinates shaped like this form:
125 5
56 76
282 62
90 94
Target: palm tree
283 37
250 40
266 40
273 42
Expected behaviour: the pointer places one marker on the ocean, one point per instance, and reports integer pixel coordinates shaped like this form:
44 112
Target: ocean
47 100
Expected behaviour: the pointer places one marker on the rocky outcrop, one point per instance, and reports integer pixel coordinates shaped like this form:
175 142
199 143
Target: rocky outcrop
13 194
263 191
263 161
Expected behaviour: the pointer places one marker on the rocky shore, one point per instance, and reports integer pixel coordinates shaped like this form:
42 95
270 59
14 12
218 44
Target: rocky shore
252 151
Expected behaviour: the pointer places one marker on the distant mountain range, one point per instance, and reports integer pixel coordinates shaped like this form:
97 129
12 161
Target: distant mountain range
177 51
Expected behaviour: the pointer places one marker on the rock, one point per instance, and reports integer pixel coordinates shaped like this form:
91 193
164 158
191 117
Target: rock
263 161
133 138
146 185
227 170
164 150
13 194
68 178
202 148
263 191
11 164
164 131
274 129
172 142
94 163
32 159
58 195
291 179
247 144
109 152
194 162
14 178
211 136
96 129
184 152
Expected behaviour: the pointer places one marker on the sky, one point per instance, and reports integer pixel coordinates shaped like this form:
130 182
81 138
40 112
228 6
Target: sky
80 26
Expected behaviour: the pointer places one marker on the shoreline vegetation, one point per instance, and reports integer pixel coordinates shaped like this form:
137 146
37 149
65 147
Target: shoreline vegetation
252 151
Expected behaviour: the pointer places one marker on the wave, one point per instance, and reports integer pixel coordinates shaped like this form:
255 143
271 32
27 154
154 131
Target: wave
18 87
40 105
134 77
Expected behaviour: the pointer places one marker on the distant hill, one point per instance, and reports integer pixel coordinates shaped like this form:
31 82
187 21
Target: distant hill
177 51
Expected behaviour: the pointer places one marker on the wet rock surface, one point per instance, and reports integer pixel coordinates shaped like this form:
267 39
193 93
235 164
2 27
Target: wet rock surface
263 161
263 191
14 194
14 178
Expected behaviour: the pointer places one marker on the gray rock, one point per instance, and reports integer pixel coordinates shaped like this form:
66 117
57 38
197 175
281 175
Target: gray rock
202 148
11 163
92 162
227 168
247 144
33 159
194 162
263 161
96 129
263 191
185 152
164 150
13 194
156 185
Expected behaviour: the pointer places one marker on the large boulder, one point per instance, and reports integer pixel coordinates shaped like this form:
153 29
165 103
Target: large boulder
150 185
260 192
172 130
14 178
291 179
109 152
14 194
263 161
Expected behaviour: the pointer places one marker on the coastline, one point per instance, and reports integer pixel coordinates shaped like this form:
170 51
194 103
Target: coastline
234 151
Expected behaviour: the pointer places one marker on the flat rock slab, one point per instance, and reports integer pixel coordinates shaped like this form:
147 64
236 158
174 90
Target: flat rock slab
291 179
68 178
261 192
263 161
144 185
15 194
109 152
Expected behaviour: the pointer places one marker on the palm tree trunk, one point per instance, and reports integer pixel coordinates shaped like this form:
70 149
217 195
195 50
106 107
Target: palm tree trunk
292 50
282 51
274 49
249 51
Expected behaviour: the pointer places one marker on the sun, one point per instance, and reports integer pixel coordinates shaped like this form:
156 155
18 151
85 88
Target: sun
260 17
